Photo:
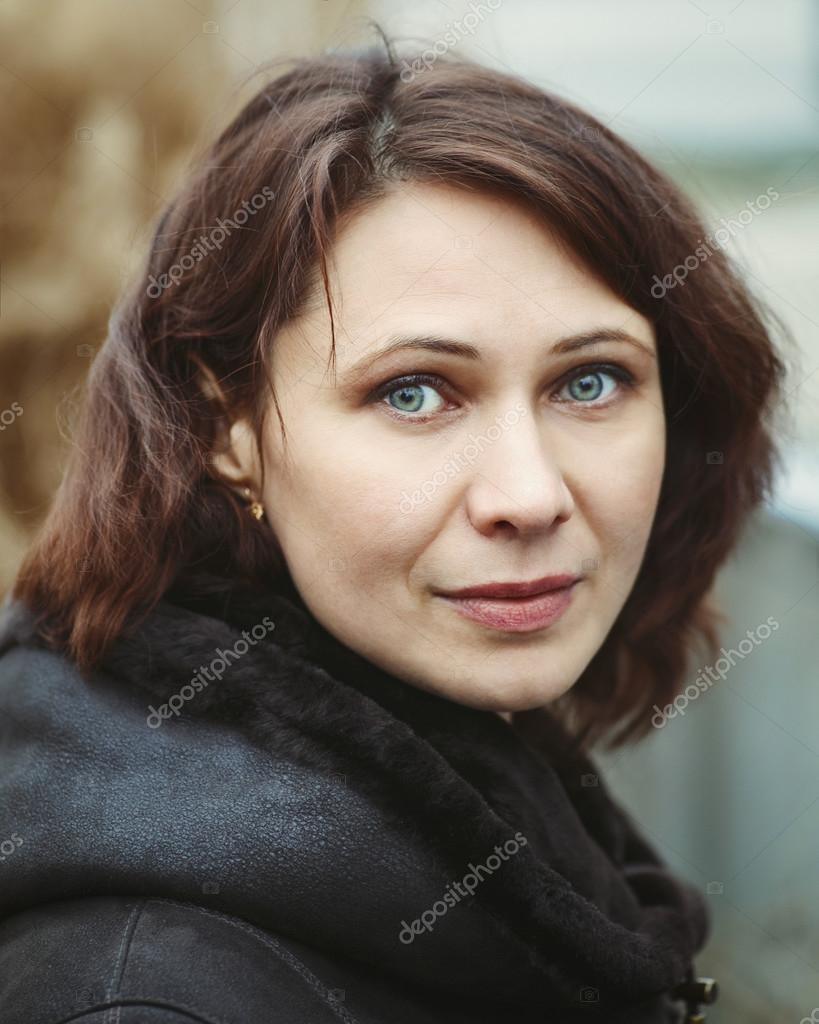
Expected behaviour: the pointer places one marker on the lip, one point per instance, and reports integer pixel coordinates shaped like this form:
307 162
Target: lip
516 614
526 589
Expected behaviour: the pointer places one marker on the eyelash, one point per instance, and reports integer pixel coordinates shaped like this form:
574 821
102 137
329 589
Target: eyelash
620 373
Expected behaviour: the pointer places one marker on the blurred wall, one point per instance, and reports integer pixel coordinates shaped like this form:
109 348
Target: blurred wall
103 103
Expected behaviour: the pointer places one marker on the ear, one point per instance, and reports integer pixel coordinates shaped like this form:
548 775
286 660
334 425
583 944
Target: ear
235 456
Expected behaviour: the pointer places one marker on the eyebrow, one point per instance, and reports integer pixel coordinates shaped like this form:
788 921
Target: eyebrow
451 346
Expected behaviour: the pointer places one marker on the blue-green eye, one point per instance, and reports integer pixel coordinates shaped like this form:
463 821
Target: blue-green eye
587 387
412 395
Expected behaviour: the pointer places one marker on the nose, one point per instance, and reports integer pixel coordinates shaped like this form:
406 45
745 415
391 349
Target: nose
517 483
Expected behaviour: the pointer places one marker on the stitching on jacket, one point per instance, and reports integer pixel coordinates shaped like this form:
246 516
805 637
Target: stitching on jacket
122 956
289 958
152 1004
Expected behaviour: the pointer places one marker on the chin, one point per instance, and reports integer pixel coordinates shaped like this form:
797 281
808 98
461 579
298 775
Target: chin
520 697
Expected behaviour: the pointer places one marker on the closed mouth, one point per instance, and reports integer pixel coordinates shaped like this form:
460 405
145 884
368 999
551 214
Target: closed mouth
505 591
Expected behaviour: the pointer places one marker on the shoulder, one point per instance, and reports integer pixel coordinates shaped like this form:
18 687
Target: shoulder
155 961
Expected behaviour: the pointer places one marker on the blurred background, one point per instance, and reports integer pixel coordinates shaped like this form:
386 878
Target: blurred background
104 102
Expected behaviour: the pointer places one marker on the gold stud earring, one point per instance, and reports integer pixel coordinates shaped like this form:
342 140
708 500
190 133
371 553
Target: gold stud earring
255 508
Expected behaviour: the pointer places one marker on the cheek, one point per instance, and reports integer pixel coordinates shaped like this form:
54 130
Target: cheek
337 504
617 492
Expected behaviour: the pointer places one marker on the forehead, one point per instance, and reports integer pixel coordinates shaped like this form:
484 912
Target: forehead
441 258
440 236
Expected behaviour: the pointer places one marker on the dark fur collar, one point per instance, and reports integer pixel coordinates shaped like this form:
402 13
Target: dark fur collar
587 898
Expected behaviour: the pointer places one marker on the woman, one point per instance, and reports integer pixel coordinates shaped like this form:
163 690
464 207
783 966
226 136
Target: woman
301 677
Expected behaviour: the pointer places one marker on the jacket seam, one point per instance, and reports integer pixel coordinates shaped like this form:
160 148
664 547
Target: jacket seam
285 955
115 984
151 1004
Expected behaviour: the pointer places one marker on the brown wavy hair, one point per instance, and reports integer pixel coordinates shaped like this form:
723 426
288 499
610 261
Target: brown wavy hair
140 504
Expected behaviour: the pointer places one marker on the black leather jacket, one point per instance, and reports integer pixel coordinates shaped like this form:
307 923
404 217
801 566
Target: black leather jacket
243 828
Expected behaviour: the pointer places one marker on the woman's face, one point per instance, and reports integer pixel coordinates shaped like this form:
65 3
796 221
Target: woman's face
498 453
